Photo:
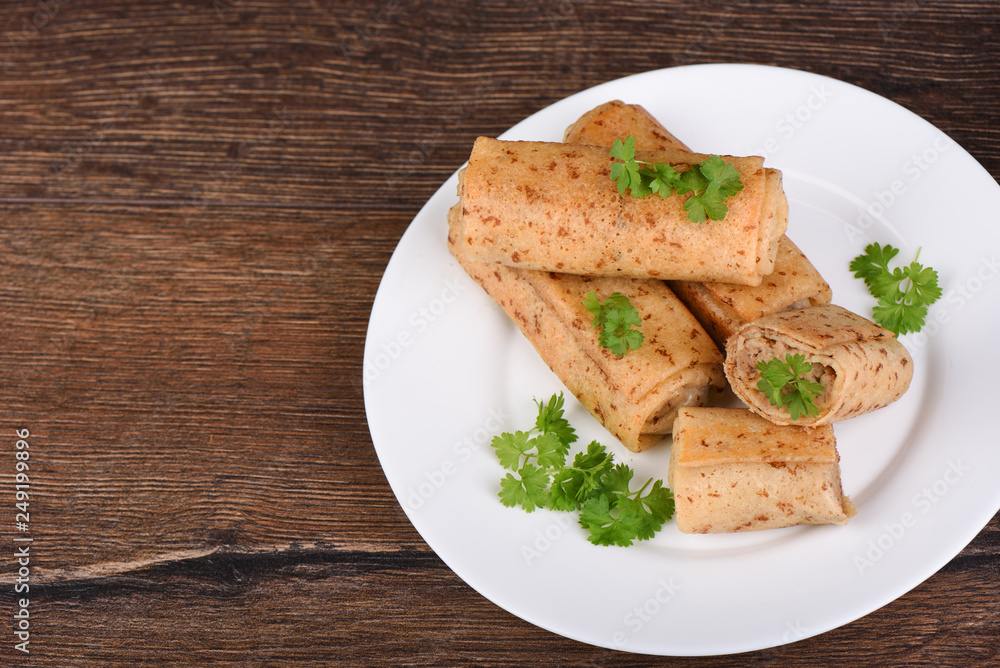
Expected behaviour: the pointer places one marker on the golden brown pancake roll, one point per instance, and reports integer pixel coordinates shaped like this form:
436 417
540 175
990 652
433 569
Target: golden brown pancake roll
554 207
602 125
635 397
861 366
731 470
720 307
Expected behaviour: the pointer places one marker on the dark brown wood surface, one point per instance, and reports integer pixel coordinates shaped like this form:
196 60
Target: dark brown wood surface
195 220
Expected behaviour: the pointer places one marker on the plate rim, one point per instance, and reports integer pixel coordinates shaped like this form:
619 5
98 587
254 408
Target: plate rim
431 203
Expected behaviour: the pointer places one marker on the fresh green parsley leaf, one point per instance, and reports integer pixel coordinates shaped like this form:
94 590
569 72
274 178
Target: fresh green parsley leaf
605 528
710 182
783 385
597 308
627 174
576 483
692 181
550 449
540 477
528 490
663 179
624 151
616 482
566 485
800 401
619 516
510 448
547 450
708 204
650 511
898 316
873 264
903 293
550 419
593 306
723 174
617 321
923 284
659 504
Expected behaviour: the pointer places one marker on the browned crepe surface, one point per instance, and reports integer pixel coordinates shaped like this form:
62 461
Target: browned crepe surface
553 207
636 396
731 471
720 307
723 307
864 366
616 120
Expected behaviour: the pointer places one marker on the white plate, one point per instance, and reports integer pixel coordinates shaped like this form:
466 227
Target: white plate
445 370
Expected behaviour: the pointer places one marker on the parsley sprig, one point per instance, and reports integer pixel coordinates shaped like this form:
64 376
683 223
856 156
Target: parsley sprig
782 383
540 477
617 320
710 182
617 514
903 293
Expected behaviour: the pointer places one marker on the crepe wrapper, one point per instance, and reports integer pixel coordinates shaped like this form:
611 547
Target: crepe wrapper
553 207
720 307
602 125
861 365
635 397
732 471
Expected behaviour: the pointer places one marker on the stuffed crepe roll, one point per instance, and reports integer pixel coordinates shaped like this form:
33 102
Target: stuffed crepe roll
731 471
635 397
554 207
861 366
616 120
720 307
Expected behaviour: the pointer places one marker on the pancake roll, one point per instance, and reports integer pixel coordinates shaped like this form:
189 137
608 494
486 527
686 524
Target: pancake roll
553 207
861 366
720 307
616 120
636 397
732 471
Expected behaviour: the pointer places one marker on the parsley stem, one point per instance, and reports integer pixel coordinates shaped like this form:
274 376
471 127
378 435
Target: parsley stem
641 489
907 283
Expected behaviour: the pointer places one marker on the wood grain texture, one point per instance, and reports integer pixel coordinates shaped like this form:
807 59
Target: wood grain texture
195 213
172 364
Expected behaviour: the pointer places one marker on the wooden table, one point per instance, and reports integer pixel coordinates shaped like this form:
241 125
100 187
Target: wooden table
196 218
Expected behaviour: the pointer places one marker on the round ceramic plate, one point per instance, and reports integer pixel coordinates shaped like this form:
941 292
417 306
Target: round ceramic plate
445 370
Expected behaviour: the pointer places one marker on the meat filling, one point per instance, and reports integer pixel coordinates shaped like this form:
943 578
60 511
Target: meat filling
764 350
802 303
662 421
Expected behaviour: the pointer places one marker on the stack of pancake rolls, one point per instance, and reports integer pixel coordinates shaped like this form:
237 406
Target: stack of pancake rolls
542 225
